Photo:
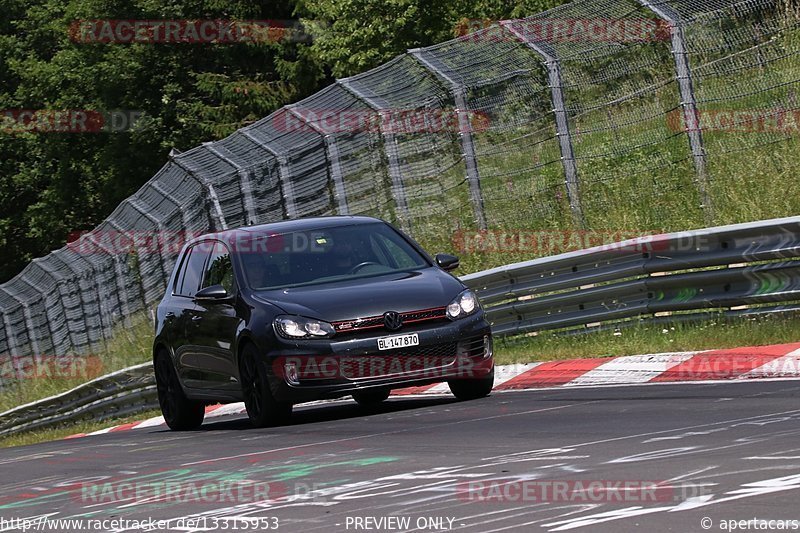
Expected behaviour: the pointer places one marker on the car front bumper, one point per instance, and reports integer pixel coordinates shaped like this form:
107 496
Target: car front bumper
320 369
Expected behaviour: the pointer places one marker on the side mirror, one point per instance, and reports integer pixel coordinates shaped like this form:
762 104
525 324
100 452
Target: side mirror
447 262
214 293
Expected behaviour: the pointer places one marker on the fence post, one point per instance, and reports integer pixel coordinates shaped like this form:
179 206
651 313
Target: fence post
11 336
59 279
244 184
121 230
464 126
209 187
33 335
335 166
122 295
160 190
683 74
89 273
75 280
563 132
289 201
159 238
381 106
36 337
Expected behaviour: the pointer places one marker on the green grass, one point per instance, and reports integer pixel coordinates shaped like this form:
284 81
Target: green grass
128 346
45 435
652 338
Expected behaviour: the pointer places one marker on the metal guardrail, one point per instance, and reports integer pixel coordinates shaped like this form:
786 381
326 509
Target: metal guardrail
739 269
121 393
730 269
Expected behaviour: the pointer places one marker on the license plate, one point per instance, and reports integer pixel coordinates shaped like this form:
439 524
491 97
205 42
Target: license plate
398 341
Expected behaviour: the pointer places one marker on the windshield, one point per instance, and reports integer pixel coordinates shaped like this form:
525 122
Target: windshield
329 254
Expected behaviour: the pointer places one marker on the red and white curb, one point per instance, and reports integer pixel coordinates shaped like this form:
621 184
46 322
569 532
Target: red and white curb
760 362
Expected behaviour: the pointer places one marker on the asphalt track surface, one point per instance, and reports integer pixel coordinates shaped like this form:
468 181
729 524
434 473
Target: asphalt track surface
722 452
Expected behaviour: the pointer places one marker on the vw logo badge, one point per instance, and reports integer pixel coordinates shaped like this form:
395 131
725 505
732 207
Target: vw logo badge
392 320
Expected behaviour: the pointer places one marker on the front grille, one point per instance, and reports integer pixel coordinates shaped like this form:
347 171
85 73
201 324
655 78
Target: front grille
436 350
374 322
397 362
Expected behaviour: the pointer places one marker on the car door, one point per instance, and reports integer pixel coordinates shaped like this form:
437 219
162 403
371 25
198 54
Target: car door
213 324
187 357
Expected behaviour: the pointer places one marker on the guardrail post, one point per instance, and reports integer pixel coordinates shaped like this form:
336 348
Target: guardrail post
284 174
563 132
334 167
381 106
464 127
683 74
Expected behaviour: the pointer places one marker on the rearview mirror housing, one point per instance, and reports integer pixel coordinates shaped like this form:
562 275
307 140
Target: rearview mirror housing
447 262
214 293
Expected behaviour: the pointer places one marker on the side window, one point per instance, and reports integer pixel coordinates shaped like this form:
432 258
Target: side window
189 279
219 270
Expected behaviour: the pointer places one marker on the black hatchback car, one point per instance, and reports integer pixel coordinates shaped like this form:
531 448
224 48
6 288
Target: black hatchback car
309 309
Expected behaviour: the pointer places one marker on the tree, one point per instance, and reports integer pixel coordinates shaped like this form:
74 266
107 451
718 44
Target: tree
53 184
351 36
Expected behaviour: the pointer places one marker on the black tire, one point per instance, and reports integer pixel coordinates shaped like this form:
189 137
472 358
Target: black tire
262 408
472 389
180 413
371 398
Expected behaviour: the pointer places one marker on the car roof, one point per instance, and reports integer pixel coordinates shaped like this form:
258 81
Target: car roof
285 226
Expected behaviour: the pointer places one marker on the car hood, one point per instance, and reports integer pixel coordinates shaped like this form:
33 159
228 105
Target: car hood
365 297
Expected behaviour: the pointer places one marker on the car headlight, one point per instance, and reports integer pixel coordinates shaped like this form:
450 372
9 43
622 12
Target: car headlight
463 305
298 327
